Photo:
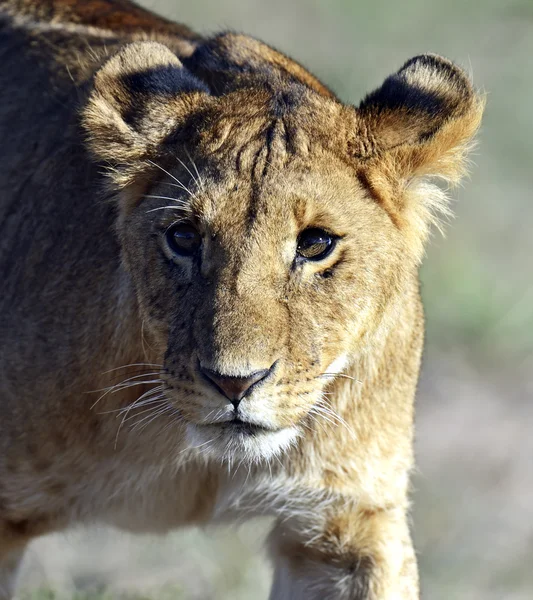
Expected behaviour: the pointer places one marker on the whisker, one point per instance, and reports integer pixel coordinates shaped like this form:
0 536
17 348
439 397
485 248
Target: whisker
204 451
313 418
142 374
158 395
176 200
323 415
143 341
328 409
133 365
127 383
124 386
159 400
339 375
135 404
189 448
188 170
150 418
305 425
175 413
133 373
145 397
129 409
165 208
199 178
177 185
172 176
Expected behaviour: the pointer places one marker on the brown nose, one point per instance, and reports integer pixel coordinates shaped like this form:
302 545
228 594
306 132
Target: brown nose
234 388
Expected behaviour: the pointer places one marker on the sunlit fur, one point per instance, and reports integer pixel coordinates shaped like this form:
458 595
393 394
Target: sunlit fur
125 124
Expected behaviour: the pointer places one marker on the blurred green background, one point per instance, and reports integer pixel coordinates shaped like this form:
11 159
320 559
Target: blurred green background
473 493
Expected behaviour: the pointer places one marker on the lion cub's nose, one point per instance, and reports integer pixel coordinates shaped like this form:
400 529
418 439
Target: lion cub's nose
234 388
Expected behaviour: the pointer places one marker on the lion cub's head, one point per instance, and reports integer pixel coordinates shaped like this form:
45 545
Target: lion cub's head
267 227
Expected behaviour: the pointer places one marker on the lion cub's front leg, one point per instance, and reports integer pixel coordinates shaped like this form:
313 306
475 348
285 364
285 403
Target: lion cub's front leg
355 555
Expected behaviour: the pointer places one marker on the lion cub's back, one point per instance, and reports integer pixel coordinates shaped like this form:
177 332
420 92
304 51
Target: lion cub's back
58 252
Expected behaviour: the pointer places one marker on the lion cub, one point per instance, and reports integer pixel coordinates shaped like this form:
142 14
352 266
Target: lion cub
210 302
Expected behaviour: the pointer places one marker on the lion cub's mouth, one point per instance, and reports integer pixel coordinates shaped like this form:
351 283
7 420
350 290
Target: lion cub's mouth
241 439
238 426
246 428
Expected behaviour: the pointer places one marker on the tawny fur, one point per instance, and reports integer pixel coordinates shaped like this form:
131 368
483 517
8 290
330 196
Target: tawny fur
116 124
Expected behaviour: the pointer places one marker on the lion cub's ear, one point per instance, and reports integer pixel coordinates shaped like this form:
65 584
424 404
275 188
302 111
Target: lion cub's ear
418 124
140 96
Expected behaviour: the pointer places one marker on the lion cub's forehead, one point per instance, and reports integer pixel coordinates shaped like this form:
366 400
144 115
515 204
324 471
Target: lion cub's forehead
280 155
249 127
274 196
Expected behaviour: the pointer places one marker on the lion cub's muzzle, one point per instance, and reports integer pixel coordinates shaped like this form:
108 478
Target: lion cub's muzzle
240 418
232 387
231 390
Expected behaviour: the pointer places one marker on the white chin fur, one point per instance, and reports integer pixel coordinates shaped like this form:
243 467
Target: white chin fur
226 446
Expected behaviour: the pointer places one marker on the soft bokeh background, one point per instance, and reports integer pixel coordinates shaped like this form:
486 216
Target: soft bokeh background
473 497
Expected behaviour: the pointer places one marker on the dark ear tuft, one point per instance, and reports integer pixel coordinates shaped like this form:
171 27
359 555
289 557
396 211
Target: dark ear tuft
164 81
426 83
140 96
414 103
420 123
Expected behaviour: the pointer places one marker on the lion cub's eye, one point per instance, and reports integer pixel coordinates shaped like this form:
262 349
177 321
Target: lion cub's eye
183 239
315 244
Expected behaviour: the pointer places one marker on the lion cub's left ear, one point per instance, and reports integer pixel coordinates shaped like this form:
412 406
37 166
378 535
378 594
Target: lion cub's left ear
419 124
141 95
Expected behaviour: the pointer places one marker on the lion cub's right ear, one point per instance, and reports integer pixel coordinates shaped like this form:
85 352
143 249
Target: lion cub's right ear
140 96
417 127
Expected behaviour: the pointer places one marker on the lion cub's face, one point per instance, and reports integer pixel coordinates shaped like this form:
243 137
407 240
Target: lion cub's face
275 275
266 232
